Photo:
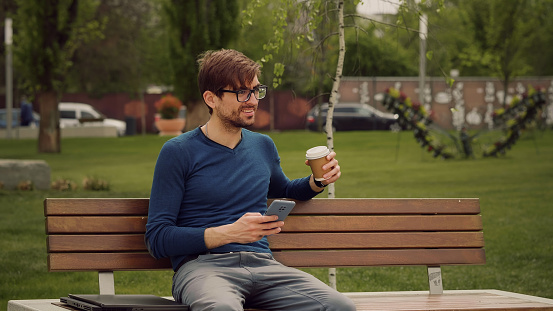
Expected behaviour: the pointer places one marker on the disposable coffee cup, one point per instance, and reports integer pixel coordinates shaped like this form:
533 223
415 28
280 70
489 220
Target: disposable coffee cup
316 157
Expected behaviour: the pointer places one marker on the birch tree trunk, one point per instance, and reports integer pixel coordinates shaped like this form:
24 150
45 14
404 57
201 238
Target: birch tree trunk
334 96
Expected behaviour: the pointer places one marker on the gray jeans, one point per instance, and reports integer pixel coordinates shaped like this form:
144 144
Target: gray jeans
234 281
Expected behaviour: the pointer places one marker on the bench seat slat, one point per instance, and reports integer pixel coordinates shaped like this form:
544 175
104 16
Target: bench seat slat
305 259
382 223
450 301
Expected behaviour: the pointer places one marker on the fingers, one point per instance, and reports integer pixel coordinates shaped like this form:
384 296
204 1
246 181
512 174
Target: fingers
254 226
334 173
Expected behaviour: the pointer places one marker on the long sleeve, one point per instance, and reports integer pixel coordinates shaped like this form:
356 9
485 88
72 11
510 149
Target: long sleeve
164 237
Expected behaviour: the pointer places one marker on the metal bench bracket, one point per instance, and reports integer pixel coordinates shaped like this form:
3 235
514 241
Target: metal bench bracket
106 283
435 280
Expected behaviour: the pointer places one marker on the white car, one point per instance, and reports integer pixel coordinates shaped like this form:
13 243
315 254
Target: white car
79 114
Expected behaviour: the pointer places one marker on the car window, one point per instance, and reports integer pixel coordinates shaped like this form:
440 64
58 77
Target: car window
346 109
97 114
87 115
363 112
68 114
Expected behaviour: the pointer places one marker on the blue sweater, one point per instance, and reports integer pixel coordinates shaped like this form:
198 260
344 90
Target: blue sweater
199 184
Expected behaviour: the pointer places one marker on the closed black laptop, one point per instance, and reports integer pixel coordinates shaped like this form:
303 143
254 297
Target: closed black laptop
122 303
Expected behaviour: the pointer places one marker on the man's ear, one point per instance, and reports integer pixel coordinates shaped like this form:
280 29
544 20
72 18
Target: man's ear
210 98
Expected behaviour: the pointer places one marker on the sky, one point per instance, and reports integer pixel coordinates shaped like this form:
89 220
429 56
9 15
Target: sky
370 7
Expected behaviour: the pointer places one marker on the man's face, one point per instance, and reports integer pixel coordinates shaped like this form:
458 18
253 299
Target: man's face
237 114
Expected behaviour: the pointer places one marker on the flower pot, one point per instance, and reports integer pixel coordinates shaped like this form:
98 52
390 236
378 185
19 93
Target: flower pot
170 127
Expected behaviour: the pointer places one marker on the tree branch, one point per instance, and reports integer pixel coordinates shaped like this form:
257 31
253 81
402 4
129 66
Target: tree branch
380 22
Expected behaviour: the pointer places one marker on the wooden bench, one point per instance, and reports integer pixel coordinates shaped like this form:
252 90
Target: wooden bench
107 235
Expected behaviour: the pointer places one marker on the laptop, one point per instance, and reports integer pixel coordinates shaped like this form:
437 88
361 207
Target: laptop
122 303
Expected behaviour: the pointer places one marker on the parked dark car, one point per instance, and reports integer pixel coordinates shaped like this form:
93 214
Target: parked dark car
352 117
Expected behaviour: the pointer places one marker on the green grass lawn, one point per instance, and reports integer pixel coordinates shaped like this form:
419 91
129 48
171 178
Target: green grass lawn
514 190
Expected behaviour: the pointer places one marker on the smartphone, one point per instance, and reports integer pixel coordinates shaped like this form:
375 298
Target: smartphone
281 208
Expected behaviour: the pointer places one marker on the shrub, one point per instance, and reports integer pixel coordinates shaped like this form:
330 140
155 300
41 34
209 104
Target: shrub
95 184
25 185
64 185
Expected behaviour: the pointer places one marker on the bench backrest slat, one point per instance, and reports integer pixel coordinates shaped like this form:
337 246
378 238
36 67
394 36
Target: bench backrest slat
136 224
103 206
353 258
108 206
285 241
365 223
105 262
108 234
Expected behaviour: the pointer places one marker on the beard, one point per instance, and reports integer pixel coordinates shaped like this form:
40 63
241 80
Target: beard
234 120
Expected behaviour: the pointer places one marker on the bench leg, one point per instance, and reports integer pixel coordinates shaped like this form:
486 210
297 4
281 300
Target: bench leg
332 277
106 283
435 280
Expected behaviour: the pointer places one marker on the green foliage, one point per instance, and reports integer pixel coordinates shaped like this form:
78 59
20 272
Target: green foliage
500 32
369 55
48 34
292 25
194 27
131 53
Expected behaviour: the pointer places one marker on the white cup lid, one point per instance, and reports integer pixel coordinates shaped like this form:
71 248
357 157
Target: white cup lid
317 152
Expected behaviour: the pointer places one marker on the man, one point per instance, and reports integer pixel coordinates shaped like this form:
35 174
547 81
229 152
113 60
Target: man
26 112
209 191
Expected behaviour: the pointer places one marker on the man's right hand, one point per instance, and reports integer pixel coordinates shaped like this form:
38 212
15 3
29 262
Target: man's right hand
249 228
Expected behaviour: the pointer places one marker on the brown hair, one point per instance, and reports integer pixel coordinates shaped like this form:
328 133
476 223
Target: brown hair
223 68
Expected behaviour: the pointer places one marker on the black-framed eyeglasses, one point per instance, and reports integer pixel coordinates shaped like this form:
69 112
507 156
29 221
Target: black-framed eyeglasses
244 95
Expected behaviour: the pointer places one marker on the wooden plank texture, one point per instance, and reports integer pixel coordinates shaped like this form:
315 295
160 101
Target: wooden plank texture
332 223
95 206
96 243
348 258
376 240
95 224
359 258
387 206
450 301
105 262
283 241
108 206
107 234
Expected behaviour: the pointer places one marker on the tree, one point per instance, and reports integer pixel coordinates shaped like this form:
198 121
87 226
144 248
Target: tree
194 27
501 32
48 34
370 55
129 55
